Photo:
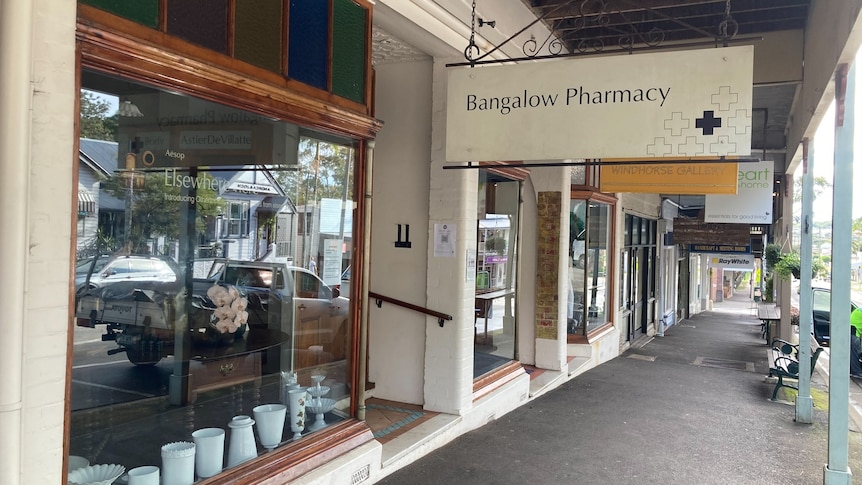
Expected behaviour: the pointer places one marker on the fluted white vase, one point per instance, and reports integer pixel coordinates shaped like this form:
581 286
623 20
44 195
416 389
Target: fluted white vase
178 463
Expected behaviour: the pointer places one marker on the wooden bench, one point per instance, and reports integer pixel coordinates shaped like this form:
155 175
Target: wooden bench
783 360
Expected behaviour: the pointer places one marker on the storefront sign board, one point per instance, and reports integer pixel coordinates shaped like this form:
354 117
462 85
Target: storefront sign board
694 103
752 203
742 262
681 178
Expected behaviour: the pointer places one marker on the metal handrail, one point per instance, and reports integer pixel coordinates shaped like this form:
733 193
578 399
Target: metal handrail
441 317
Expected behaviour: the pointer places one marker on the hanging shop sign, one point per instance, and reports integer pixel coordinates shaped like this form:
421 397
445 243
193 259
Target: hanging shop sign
744 262
694 103
720 248
691 178
752 203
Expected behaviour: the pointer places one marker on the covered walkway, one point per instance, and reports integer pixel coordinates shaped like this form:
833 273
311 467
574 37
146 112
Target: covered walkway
690 407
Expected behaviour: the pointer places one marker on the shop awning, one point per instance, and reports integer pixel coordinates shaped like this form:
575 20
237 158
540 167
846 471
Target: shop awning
86 201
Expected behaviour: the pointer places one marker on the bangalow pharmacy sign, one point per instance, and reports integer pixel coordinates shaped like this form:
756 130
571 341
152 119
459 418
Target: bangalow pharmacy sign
691 104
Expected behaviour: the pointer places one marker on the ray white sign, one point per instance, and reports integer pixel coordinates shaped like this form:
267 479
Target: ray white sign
743 262
657 105
752 203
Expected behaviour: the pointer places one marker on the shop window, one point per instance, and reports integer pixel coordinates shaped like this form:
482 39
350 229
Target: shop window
170 338
590 240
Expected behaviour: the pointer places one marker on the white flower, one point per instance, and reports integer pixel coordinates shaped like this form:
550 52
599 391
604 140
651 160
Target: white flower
230 312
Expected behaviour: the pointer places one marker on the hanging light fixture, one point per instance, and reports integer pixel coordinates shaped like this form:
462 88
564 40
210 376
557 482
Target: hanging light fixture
129 109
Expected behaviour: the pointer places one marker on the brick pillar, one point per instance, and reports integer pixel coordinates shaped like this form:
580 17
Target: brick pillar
547 277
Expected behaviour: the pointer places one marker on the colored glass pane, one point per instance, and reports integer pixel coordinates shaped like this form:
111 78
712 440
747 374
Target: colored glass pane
203 22
257 34
308 43
144 12
349 24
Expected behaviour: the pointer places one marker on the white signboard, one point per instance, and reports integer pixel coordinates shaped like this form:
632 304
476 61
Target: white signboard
738 262
657 105
752 203
444 240
331 273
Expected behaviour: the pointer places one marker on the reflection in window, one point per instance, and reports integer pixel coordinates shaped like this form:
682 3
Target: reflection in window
589 242
187 311
237 220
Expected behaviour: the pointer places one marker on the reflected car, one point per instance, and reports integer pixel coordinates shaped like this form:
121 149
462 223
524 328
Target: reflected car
127 268
82 267
821 301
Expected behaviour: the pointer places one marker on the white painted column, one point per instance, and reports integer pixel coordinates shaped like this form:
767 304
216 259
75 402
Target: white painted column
837 470
453 200
16 64
804 402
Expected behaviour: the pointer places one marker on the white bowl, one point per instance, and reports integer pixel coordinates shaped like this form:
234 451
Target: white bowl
76 462
96 475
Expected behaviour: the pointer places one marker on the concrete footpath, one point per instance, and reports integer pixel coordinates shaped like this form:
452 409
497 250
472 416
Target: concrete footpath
691 407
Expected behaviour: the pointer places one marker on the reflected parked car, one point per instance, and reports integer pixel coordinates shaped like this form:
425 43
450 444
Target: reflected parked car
821 301
127 268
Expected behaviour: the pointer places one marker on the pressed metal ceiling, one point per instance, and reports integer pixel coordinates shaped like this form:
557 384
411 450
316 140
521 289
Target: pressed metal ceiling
585 25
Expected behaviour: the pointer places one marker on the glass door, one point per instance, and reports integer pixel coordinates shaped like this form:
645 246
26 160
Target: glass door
496 272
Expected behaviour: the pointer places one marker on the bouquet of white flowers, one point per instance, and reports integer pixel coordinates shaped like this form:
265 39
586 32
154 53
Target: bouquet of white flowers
229 314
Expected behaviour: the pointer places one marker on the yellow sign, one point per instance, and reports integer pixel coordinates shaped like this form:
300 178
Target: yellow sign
686 176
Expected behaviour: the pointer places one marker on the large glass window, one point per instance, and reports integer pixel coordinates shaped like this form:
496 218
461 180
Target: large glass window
496 275
199 298
589 266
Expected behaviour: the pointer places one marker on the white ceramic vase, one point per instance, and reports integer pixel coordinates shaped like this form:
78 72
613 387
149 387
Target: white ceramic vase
242 446
298 398
209 452
178 463
144 475
269 419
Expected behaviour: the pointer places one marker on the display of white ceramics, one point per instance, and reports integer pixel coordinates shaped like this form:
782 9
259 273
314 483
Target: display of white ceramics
144 475
76 462
318 391
178 463
209 451
242 446
96 474
298 398
317 379
269 419
319 407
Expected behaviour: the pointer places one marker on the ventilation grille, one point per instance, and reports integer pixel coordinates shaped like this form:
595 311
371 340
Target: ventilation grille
360 475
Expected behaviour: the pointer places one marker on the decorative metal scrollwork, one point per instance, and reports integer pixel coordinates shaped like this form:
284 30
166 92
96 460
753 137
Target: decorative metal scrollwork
594 15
